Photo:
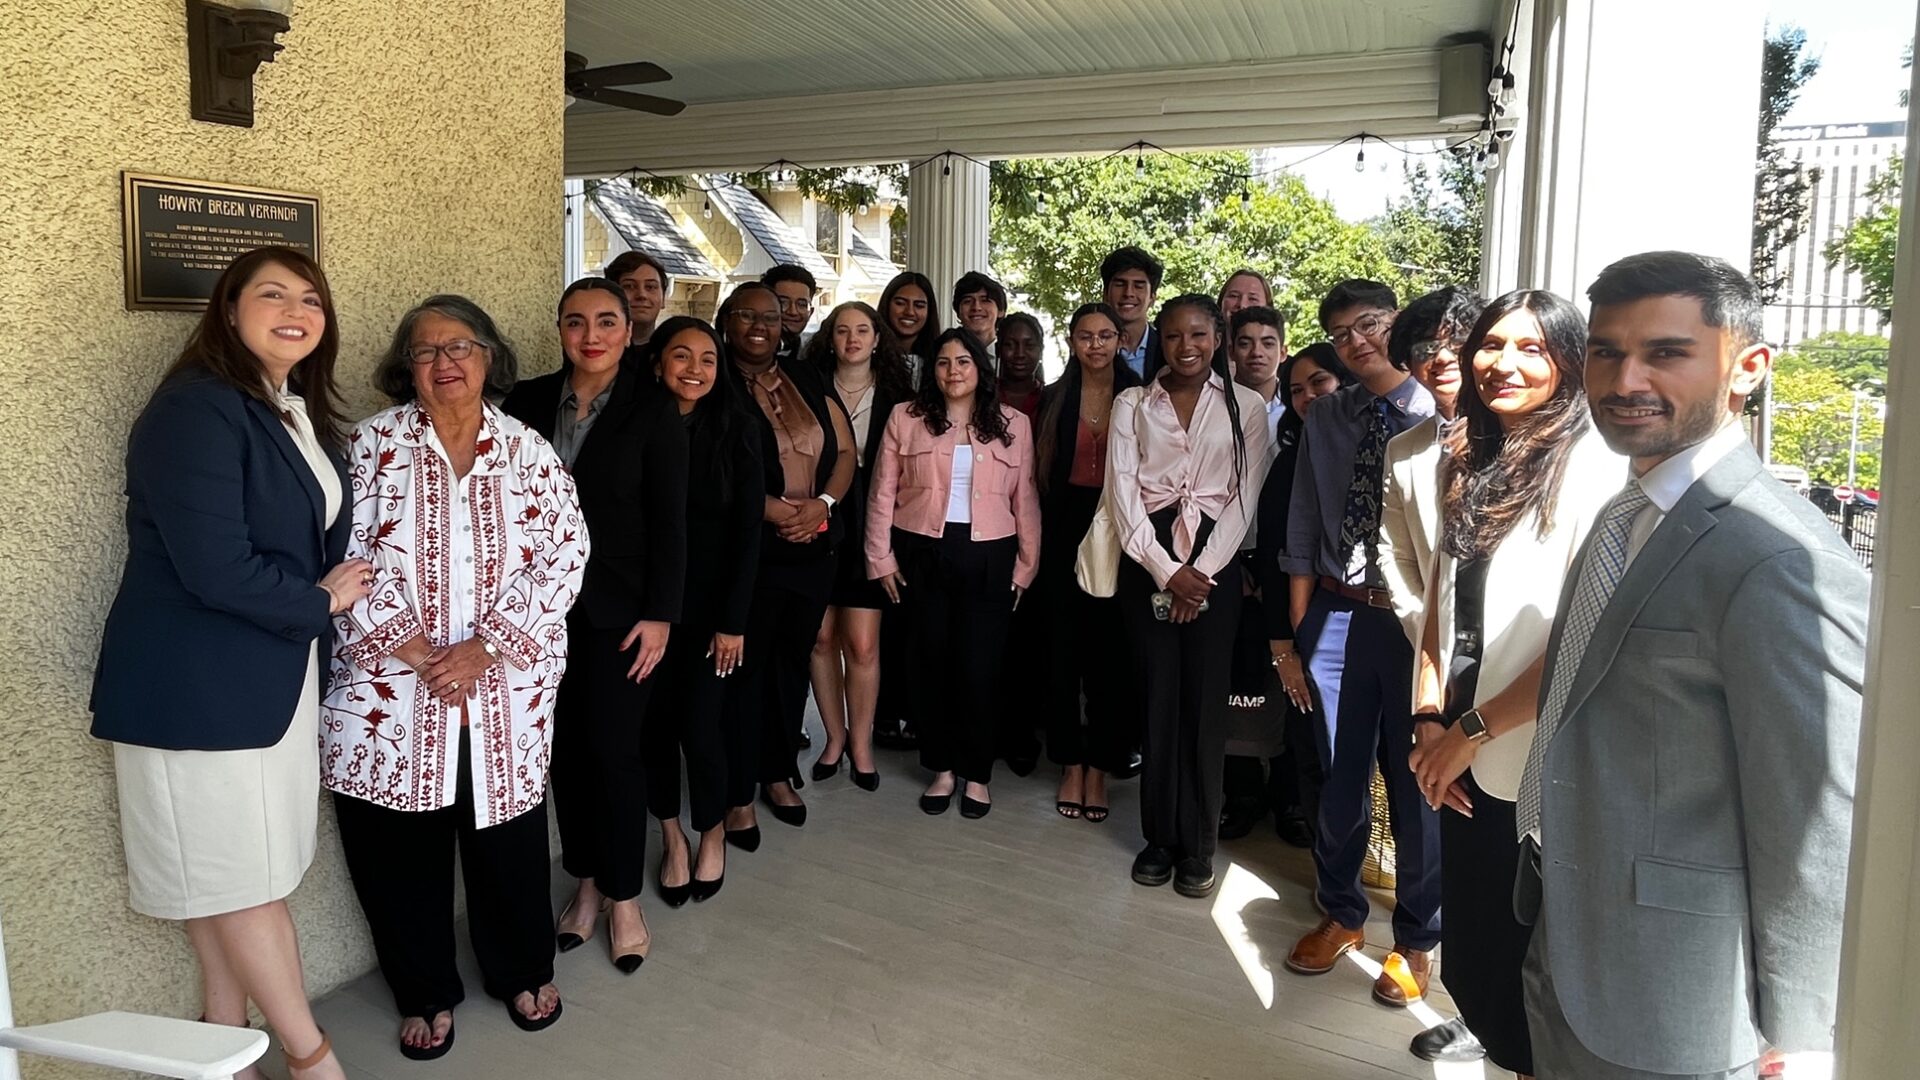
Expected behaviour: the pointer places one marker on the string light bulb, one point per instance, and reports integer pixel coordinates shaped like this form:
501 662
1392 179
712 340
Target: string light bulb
1246 198
946 166
1139 164
1493 157
1498 82
862 209
1360 159
633 182
1506 95
1040 200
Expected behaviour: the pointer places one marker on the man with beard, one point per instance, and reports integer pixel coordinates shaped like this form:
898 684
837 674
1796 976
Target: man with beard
1687 806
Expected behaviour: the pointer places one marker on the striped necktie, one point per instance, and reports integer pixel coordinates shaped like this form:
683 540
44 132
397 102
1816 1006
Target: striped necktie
1606 564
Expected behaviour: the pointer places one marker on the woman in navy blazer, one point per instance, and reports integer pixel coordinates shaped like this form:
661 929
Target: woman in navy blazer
234 543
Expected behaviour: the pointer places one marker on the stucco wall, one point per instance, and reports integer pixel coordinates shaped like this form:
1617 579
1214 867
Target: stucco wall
433 135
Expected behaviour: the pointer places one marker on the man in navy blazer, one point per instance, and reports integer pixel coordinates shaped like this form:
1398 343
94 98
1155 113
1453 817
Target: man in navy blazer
1130 282
1692 777
221 584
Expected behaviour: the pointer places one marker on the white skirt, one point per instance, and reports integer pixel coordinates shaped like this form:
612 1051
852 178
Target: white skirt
213 831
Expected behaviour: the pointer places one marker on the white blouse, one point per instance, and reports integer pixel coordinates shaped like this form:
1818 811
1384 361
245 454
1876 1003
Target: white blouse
498 555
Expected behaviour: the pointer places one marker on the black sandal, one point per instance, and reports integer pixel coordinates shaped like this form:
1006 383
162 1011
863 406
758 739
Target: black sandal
431 1052
1094 814
521 1021
1068 810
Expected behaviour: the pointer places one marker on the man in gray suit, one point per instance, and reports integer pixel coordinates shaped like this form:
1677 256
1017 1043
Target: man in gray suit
1688 803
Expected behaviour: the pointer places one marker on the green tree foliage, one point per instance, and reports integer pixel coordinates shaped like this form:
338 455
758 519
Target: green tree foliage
1433 231
1781 188
1858 360
1813 423
1054 220
1867 245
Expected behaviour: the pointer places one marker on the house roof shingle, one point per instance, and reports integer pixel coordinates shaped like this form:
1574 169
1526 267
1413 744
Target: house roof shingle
646 225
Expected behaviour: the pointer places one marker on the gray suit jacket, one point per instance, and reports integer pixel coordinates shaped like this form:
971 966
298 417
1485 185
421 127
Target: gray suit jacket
1697 799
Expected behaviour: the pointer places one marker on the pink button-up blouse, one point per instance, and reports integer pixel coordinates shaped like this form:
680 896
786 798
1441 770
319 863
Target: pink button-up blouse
1154 463
914 471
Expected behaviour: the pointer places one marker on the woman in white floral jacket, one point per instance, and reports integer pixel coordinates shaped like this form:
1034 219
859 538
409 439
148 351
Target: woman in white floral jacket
436 722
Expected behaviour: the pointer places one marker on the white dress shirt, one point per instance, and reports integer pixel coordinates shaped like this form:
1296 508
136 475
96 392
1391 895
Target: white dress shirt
1666 482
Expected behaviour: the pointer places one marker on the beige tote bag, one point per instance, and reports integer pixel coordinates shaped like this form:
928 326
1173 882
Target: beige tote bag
1097 564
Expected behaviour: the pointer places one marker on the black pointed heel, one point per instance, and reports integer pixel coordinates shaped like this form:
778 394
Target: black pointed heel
674 895
823 771
705 890
795 816
747 839
866 781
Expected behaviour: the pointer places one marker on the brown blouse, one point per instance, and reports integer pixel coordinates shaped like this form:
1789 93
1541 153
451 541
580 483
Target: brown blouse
1089 457
795 429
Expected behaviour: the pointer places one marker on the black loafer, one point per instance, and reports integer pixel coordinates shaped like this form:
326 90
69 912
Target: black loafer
1129 769
1450 1041
974 808
1193 877
936 804
1238 820
1153 866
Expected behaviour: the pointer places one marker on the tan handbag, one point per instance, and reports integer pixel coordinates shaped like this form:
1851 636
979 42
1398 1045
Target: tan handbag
1097 564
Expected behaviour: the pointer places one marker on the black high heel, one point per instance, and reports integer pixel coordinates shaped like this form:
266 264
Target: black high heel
822 771
705 890
936 804
674 895
747 839
866 781
795 816
974 808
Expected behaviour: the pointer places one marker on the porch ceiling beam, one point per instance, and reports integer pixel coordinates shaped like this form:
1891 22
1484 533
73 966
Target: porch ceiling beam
1320 99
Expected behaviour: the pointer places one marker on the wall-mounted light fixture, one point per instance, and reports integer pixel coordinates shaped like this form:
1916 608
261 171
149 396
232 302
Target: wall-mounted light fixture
226 44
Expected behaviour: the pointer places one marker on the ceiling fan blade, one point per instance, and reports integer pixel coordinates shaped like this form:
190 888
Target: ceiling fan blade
622 74
646 103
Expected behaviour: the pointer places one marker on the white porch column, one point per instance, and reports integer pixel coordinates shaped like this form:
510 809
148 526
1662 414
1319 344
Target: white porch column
947 200
1876 1035
1637 134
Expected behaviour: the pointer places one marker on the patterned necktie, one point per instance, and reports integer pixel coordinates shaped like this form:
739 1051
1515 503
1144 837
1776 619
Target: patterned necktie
1360 524
1606 564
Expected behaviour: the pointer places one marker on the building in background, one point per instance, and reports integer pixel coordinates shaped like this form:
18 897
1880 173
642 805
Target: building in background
1817 296
716 234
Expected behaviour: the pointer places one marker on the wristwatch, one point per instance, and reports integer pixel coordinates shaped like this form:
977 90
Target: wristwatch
1474 726
492 650
828 499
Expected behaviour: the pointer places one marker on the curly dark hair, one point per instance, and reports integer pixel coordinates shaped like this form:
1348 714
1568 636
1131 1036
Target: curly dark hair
930 402
890 373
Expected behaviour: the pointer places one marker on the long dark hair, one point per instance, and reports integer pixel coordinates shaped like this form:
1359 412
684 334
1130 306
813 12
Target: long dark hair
591 284
890 374
215 346
930 402
1491 478
1219 364
724 407
1320 354
923 343
1047 434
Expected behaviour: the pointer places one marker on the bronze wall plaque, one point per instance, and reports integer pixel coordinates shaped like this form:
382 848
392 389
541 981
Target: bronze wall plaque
180 234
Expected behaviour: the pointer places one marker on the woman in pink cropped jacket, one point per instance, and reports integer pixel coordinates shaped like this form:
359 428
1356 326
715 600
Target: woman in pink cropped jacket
953 532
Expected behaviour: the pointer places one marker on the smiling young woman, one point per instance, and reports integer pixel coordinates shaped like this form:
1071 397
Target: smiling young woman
208 678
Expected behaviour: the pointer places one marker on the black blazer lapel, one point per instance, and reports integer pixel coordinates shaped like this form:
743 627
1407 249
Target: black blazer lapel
278 434
623 401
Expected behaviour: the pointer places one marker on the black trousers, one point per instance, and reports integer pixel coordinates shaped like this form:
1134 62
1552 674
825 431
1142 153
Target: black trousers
1485 946
401 863
599 783
765 706
959 599
894 706
685 717
1187 667
1087 657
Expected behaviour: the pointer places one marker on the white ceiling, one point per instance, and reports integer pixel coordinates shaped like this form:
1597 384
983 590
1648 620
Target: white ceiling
833 82
735 50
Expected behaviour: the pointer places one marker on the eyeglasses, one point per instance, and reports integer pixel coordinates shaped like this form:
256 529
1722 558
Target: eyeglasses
1427 350
791 304
1365 326
1104 337
457 350
771 318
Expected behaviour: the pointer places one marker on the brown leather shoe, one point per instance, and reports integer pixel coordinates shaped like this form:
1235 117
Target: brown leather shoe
1323 947
1415 970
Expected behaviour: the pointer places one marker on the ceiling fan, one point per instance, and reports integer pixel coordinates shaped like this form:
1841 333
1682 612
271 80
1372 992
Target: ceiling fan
596 84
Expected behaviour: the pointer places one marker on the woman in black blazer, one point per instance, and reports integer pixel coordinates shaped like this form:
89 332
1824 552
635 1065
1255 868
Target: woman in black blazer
724 505
807 465
628 454
1089 650
234 544
868 377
